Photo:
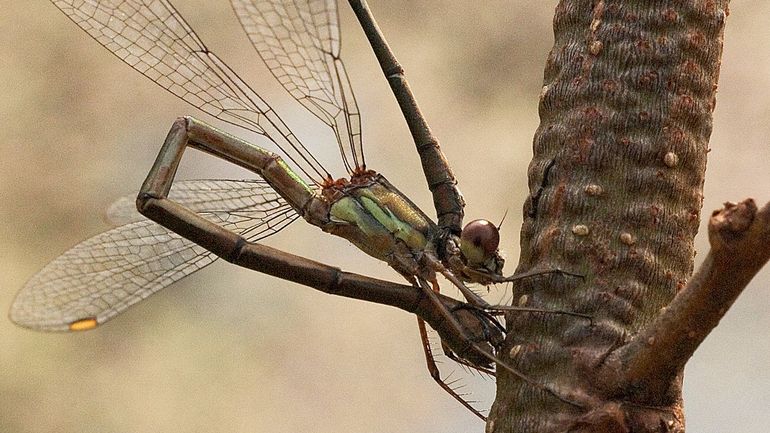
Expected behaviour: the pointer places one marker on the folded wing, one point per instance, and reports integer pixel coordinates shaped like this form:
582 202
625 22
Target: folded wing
102 276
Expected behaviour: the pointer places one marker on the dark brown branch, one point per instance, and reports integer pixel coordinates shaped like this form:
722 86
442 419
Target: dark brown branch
740 246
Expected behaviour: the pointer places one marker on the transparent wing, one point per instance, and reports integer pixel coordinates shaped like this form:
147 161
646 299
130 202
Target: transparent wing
201 195
299 42
151 37
102 276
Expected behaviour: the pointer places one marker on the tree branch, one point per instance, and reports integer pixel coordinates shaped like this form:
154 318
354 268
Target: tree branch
616 183
740 246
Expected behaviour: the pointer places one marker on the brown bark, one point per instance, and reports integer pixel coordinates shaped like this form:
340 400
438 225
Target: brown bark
616 190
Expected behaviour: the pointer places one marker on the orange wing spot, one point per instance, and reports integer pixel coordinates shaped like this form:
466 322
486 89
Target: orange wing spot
84 324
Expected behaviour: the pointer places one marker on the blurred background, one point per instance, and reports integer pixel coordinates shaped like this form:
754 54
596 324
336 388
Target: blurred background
230 350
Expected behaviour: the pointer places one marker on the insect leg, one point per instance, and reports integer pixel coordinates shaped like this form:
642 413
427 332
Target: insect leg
433 369
470 295
477 347
537 272
436 374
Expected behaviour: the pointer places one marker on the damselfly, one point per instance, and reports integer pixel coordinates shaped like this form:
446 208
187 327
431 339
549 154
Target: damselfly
198 221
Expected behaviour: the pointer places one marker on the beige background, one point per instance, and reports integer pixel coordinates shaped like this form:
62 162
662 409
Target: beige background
230 350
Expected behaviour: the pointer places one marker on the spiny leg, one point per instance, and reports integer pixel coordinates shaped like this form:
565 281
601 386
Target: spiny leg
435 373
470 343
480 306
489 372
477 302
487 318
472 297
537 272
499 310
488 314
502 309
444 347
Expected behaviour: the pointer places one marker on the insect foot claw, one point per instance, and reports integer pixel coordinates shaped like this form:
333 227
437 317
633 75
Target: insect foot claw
492 331
482 335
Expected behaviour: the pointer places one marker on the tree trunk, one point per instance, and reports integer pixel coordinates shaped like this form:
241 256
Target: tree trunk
616 185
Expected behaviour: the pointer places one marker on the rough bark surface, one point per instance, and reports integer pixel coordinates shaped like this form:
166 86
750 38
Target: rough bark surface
616 191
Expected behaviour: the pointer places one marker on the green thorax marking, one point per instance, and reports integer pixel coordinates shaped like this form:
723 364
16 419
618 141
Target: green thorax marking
376 217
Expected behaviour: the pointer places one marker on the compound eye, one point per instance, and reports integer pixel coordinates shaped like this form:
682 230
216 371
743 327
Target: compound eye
479 241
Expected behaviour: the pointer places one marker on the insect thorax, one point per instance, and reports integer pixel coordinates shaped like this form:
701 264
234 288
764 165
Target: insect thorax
376 217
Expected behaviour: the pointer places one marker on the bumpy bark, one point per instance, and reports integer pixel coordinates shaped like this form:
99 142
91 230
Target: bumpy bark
616 190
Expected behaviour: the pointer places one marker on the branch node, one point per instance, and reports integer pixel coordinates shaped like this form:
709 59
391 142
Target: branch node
739 235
